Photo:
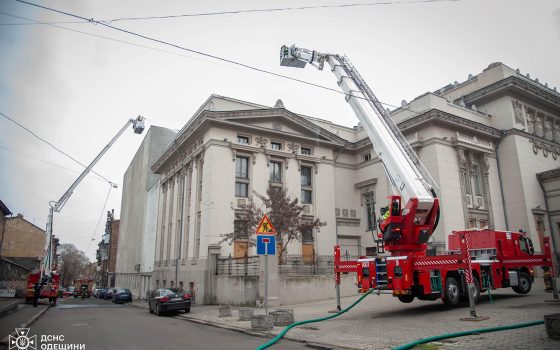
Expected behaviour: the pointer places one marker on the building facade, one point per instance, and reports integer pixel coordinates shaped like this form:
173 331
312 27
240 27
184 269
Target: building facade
483 140
22 239
138 221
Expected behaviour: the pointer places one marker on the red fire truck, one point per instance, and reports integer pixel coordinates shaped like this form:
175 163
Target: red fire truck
49 288
499 259
480 259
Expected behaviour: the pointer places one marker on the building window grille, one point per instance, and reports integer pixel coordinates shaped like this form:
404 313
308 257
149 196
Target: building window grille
476 180
366 157
277 146
306 151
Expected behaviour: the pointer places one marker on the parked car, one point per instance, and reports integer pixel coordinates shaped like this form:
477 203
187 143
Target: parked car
108 295
165 300
71 290
95 291
101 293
122 295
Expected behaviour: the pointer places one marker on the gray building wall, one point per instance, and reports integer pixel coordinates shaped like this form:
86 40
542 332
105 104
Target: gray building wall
139 213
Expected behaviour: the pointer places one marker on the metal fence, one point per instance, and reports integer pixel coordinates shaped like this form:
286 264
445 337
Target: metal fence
244 266
300 265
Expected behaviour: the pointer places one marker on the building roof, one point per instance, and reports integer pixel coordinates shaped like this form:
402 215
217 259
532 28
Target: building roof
4 208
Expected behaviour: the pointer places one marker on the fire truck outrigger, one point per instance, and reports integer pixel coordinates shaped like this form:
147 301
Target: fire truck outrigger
478 260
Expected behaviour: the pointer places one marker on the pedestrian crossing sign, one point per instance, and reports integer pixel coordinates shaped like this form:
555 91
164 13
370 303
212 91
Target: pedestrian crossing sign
265 227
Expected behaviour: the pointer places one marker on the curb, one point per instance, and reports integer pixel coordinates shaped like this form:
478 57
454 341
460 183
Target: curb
34 318
9 308
311 344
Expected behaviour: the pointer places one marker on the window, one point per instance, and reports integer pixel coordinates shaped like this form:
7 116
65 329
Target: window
277 146
476 180
276 172
306 151
240 229
241 177
242 167
306 190
307 236
244 140
305 176
366 157
370 210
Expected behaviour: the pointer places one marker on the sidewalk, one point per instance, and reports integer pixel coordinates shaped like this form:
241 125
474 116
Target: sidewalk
25 314
382 322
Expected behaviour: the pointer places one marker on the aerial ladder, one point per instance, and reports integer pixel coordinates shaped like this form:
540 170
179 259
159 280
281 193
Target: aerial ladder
138 127
411 217
407 228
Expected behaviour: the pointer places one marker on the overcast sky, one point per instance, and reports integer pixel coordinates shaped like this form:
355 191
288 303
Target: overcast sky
77 90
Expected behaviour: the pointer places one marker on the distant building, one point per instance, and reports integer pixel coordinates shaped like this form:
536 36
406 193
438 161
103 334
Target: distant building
23 239
139 207
112 229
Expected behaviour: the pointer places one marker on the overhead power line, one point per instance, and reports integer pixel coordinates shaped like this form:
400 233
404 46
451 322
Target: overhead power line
235 12
53 146
236 63
47 162
100 217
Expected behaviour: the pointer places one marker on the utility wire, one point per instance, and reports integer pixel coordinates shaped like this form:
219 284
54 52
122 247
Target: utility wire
100 217
235 12
47 162
91 20
53 146
111 39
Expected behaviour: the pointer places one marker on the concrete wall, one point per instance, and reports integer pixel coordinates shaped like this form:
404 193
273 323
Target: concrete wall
243 290
237 290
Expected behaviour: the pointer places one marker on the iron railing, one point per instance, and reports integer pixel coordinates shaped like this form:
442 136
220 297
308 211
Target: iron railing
244 266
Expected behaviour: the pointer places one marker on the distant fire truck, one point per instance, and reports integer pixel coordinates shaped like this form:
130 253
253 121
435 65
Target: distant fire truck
482 260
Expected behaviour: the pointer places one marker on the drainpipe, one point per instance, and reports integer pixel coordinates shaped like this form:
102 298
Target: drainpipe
503 134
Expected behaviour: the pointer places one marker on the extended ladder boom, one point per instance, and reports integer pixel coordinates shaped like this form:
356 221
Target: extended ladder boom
403 167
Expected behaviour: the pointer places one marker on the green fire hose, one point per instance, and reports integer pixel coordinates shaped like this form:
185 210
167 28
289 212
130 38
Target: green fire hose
471 332
285 330
405 346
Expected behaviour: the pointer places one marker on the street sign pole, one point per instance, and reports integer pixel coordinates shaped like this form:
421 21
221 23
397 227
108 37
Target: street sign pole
266 279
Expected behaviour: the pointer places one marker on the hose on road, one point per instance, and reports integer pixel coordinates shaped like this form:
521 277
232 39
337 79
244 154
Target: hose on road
285 330
471 332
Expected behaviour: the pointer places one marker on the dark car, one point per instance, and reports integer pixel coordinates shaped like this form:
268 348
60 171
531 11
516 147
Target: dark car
108 295
122 296
101 293
165 300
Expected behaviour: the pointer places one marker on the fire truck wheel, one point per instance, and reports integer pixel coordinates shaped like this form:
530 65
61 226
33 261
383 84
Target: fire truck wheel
406 298
452 291
524 284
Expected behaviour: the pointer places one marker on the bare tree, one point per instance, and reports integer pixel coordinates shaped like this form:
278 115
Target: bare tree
73 263
286 214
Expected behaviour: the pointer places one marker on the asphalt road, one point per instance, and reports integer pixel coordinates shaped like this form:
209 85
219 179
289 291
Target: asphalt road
102 325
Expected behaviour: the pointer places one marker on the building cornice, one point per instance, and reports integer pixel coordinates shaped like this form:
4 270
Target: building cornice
206 116
518 84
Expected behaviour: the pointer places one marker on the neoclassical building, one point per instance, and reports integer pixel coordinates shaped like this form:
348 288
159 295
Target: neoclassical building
483 140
